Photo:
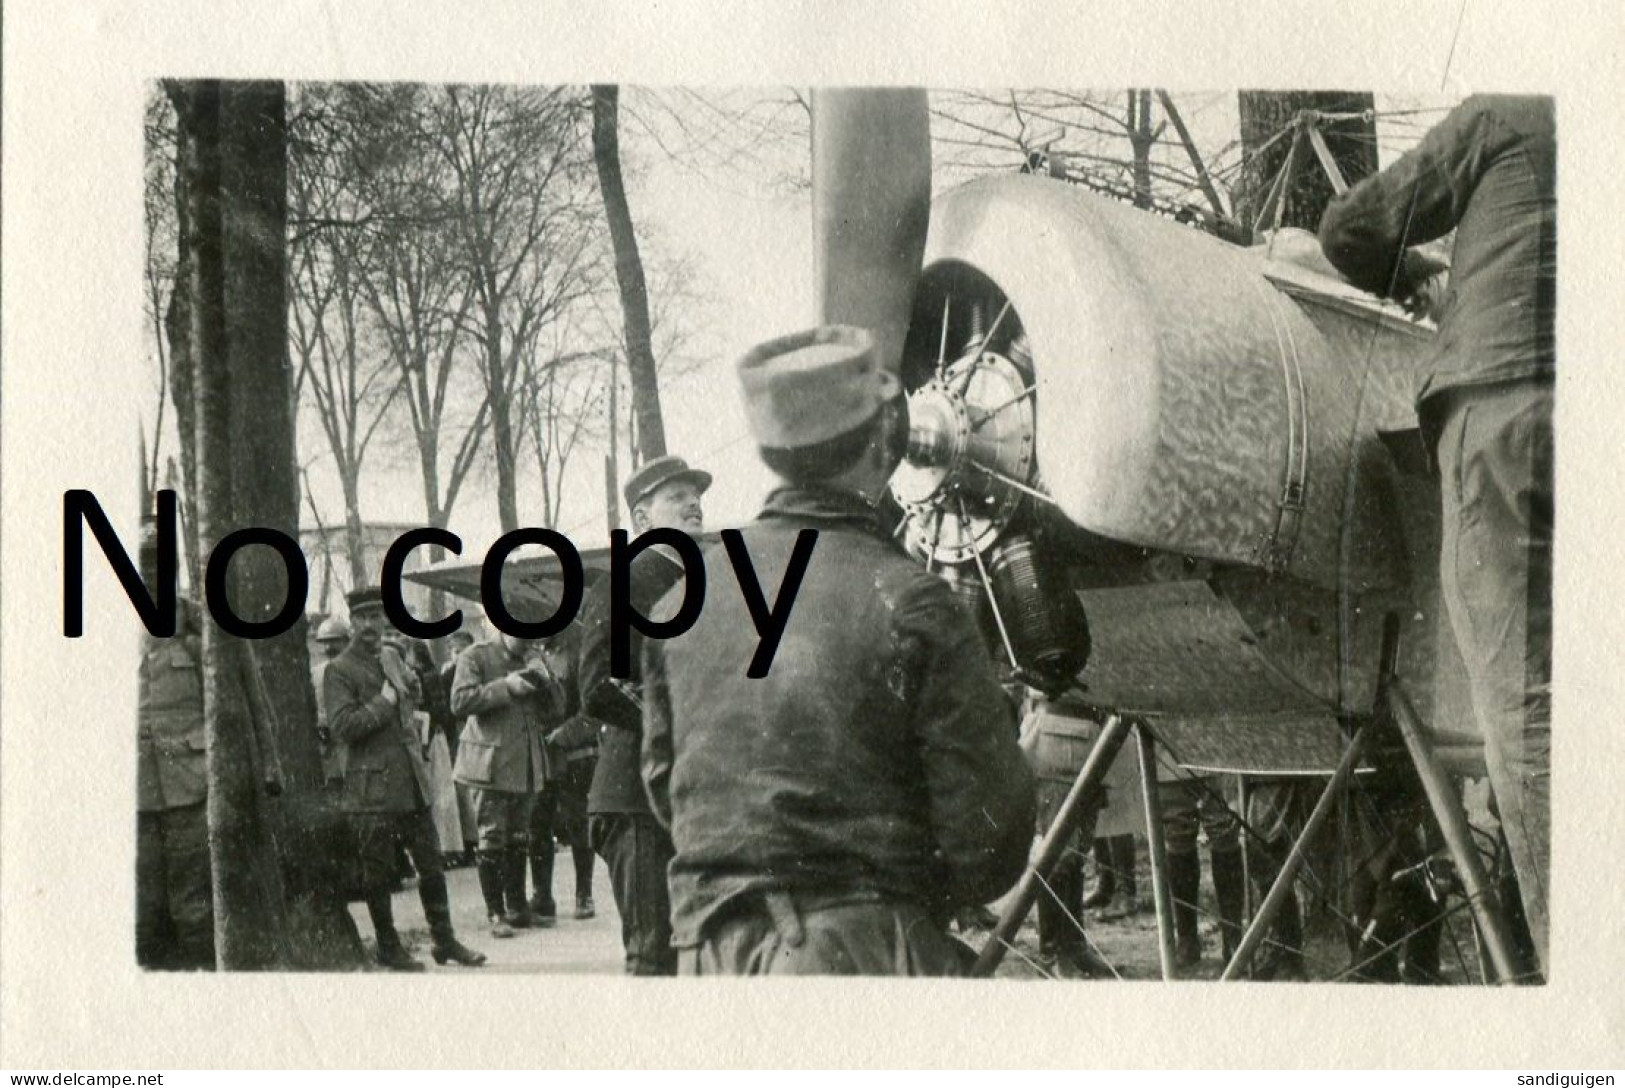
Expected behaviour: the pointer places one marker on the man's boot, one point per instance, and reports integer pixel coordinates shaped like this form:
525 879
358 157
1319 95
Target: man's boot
542 907
444 946
391 953
1281 958
1126 902
1124 857
1230 890
1060 918
513 889
583 858
1105 876
1184 886
492 865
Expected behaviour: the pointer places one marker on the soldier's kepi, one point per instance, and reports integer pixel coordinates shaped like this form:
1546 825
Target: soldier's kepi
831 816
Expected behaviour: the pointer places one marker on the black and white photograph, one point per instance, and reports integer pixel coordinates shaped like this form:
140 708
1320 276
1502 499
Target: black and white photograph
1084 540
1115 429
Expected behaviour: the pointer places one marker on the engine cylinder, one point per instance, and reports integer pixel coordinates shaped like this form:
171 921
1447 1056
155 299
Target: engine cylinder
1049 638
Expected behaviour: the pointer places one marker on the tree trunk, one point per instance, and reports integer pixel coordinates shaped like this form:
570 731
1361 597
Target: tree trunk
250 927
502 436
355 542
640 358
1264 114
177 328
612 468
275 862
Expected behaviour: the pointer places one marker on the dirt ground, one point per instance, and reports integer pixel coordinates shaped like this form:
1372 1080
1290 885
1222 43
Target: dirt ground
1128 943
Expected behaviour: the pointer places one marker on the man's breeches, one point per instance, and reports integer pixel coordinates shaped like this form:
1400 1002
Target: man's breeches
503 819
1495 572
378 833
637 850
778 936
1194 805
174 918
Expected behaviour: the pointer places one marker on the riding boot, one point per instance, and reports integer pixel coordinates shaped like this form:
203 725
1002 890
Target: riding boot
1124 861
583 858
444 944
517 914
1060 921
491 865
1125 901
541 903
1184 886
1105 876
1230 890
391 953
1282 958
1057 932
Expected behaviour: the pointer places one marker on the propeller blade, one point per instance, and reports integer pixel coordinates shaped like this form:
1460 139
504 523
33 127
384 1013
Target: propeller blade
871 179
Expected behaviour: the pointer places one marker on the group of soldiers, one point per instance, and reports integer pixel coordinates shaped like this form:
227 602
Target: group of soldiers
836 815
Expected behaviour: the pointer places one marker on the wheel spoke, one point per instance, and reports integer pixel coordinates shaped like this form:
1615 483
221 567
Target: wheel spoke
992 601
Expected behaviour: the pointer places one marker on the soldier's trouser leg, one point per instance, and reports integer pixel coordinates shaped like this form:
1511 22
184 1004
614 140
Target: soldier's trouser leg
381 909
154 935
542 853
1105 873
501 818
417 833
1122 854
490 867
1230 892
637 851
1494 453
583 858
1223 830
868 938
173 853
1060 906
1180 826
1184 888
513 883
1276 813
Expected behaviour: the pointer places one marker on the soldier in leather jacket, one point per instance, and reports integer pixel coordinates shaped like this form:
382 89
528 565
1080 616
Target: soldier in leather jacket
831 817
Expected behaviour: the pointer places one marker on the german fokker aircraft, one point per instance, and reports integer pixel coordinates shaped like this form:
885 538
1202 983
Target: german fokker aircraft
1208 447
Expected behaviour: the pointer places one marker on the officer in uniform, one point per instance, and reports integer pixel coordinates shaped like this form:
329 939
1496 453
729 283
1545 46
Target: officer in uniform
663 494
332 636
174 918
370 693
832 817
511 699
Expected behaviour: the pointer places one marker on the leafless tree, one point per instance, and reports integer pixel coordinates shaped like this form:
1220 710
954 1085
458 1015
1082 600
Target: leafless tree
518 201
349 384
637 333
415 285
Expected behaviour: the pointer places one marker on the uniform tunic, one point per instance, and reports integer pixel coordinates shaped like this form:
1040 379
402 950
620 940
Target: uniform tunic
174 897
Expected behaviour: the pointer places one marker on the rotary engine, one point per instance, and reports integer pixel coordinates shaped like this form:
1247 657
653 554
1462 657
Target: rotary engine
967 487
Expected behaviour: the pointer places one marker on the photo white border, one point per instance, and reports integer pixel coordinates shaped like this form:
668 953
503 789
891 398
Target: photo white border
70 351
